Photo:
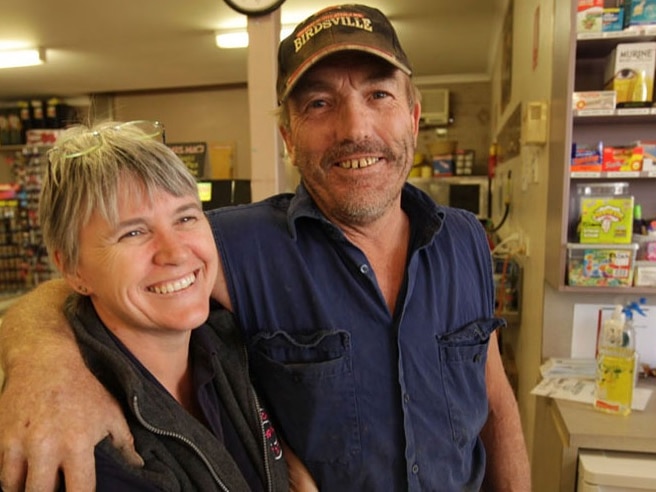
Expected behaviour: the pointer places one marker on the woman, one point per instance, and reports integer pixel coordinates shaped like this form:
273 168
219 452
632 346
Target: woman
123 223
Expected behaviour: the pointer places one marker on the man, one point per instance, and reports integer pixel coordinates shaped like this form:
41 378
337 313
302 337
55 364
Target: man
366 307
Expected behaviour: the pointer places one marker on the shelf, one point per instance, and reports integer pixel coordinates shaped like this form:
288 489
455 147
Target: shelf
600 44
614 116
608 290
11 148
613 175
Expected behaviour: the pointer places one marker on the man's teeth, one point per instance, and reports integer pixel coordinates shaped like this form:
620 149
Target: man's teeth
170 287
358 163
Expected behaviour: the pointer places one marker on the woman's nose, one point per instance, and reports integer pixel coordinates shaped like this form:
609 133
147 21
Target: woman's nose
170 249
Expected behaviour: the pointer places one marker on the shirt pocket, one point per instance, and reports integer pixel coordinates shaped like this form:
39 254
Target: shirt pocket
308 382
463 355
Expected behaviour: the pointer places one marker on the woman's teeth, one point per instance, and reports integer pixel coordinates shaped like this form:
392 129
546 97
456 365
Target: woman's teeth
175 286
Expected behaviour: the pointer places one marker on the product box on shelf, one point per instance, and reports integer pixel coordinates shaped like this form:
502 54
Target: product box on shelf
606 219
586 158
649 154
443 165
593 100
601 265
630 73
43 136
644 274
639 12
613 16
589 15
622 158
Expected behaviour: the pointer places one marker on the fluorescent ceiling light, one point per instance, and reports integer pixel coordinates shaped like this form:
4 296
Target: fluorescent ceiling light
22 57
238 38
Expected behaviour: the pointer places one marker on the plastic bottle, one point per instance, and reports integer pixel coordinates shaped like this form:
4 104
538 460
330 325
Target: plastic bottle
639 224
615 364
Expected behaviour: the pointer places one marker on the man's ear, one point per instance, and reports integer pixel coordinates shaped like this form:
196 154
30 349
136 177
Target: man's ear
289 145
416 116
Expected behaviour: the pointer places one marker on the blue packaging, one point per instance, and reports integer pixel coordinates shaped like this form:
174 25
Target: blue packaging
639 12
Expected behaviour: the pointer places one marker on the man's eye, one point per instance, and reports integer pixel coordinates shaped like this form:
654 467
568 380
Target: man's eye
380 95
316 103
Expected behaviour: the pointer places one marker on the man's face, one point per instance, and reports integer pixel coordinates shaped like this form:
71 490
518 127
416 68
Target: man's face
352 135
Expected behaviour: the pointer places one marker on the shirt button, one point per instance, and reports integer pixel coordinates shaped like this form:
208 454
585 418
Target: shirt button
477 358
406 397
415 468
364 269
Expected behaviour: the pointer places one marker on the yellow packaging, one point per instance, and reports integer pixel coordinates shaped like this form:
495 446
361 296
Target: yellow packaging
630 73
606 220
614 381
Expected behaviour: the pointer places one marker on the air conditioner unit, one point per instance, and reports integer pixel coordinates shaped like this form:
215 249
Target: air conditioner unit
435 106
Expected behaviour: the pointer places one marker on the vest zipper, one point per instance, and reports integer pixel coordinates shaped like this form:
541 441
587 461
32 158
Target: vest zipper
180 437
258 408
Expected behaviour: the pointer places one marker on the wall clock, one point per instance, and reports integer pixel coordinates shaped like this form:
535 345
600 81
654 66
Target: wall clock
254 7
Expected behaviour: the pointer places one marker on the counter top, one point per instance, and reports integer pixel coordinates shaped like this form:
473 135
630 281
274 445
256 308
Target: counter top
566 427
589 428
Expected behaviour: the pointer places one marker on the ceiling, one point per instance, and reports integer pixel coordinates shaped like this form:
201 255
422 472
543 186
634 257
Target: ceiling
131 45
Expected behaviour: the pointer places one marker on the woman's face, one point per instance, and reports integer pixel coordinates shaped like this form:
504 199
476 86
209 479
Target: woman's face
153 271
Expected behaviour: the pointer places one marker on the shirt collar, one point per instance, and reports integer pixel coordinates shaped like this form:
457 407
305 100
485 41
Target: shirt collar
427 217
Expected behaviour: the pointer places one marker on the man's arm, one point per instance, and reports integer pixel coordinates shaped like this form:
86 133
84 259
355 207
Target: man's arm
508 467
52 410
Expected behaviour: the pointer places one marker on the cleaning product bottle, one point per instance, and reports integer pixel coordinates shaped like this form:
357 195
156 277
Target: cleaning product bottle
615 364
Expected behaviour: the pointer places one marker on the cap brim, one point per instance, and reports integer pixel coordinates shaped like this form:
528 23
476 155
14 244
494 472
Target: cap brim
336 48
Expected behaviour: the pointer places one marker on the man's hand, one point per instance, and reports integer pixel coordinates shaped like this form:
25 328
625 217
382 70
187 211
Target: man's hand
54 425
52 410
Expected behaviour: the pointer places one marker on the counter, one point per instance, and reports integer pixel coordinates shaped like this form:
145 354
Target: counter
564 427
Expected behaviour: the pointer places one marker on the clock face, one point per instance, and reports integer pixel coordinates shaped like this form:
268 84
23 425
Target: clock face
254 7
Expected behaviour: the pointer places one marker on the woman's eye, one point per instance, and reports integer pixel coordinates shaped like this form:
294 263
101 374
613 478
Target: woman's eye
131 234
188 219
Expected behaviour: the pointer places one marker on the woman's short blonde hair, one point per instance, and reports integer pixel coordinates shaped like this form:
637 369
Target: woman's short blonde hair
83 175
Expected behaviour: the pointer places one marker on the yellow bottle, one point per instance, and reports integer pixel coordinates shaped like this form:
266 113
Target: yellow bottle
615 365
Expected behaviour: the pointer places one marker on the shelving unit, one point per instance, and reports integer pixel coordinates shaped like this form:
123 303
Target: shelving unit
582 69
24 261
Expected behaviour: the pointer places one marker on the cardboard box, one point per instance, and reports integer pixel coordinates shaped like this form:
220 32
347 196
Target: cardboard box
645 274
589 15
593 100
606 219
649 154
601 266
612 19
630 73
639 12
622 158
586 158
443 165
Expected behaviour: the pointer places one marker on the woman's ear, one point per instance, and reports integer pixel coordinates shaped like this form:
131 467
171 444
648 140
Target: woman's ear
72 277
